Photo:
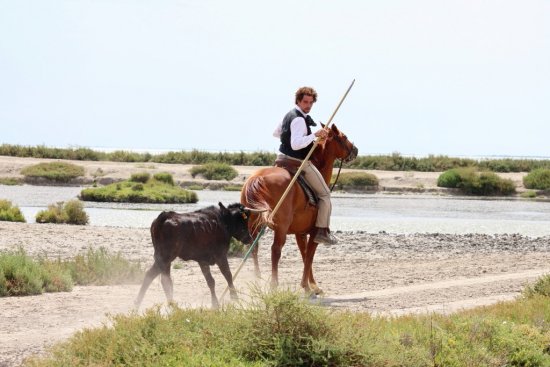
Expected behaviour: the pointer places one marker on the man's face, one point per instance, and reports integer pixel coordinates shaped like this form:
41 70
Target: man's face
306 103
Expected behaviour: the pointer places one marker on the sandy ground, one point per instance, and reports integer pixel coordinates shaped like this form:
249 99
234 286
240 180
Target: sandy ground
379 273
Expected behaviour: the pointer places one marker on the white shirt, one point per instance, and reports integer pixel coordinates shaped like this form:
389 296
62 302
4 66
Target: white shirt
298 132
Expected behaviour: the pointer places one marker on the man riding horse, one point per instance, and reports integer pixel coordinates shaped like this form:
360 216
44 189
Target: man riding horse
297 139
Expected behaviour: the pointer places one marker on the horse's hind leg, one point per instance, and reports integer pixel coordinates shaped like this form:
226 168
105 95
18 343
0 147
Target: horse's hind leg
150 275
211 283
278 243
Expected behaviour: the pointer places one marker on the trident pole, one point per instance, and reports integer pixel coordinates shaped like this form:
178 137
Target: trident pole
300 169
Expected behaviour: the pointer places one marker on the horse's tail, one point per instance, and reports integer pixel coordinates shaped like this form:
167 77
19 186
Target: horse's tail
253 196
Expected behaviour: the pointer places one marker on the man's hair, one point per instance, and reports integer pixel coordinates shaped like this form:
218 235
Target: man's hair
305 91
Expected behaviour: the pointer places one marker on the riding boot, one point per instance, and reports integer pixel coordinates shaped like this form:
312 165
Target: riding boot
324 236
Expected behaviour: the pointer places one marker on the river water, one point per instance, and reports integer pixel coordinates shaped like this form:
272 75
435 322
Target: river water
366 212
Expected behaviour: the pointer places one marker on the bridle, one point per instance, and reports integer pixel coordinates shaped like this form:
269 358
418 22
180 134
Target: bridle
347 159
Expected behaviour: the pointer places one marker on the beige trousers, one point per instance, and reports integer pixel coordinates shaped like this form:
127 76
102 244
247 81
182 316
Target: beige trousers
317 183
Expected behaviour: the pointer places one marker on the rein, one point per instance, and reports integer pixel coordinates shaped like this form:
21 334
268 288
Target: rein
337 175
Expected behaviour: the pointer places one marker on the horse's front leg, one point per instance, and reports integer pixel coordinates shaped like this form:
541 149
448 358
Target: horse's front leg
301 240
276 248
308 266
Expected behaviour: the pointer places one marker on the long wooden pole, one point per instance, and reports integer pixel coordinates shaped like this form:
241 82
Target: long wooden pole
306 159
300 169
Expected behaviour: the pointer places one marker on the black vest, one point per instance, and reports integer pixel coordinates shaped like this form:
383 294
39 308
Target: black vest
285 146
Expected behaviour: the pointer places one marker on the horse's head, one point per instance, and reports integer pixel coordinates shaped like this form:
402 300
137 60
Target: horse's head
339 145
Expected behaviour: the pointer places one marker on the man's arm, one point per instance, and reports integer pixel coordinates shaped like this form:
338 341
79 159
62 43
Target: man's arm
298 134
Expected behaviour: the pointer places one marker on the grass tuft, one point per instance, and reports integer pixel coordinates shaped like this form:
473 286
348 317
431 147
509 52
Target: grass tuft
215 171
538 179
61 172
21 275
71 212
10 213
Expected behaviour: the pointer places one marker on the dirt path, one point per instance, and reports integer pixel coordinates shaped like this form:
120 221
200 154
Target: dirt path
378 273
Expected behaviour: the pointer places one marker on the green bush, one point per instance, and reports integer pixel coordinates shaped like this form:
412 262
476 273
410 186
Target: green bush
130 192
487 183
71 212
75 213
54 171
450 179
356 180
10 181
471 182
10 213
142 177
538 179
540 287
20 275
215 171
164 177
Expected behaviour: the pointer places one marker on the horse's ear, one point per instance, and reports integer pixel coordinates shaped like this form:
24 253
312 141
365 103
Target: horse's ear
335 129
222 208
322 125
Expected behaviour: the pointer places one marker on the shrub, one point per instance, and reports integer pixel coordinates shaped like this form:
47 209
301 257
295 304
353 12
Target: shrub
10 213
164 177
541 287
450 179
236 248
356 180
54 171
471 182
538 179
10 181
130 192
71 213
487 183
75 213
215 171
20 275
142 177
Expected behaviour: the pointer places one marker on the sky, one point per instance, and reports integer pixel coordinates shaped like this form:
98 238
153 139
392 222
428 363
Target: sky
456 78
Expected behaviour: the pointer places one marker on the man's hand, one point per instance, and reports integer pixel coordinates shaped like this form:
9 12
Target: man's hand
322 134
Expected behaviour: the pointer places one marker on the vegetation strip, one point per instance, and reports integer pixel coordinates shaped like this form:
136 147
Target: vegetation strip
393 162
283 329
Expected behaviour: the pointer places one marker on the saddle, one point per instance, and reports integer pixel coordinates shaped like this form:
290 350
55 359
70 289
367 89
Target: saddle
292 167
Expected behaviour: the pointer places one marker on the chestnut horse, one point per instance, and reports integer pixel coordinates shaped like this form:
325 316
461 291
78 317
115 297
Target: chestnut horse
295 216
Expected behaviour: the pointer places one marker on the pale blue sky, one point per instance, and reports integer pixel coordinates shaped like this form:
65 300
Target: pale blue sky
467 78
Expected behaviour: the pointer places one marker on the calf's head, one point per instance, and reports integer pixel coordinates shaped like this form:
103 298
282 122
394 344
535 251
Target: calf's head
236 218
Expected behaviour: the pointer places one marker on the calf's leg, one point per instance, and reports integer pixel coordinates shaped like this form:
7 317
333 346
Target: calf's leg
226 271
211 283
166 282
150 275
